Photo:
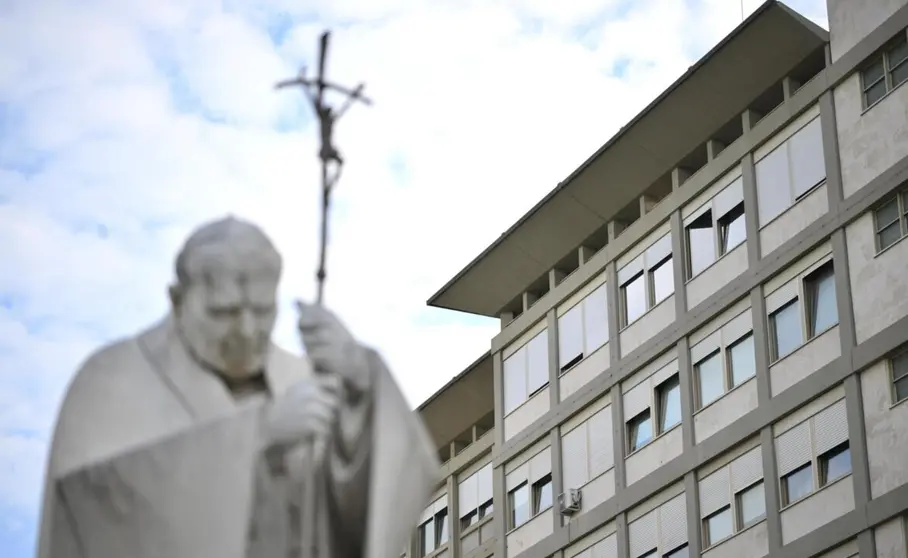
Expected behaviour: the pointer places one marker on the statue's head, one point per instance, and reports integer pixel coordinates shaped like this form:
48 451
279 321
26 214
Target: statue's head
224 300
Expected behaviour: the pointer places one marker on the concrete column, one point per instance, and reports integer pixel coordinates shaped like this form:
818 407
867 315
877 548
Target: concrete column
679 176
692 497
647 203
790 86
500 516
771 489
498 397
751 209
614 304
614 229
831 152
557 476
618 438
624 548
529 299
453 516
584 253
761 345
556 276
551 324
713 148
749 119
678 257
686 379
505 318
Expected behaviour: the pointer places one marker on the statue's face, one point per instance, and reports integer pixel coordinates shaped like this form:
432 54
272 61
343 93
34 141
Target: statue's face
227 322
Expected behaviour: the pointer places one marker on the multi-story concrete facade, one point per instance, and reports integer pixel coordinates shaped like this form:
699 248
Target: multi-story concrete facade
704 341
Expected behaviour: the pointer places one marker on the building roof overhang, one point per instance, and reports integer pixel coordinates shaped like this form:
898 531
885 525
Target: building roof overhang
752 58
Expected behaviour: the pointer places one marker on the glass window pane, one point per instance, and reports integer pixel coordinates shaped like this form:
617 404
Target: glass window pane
519 502
743 361
872 73
709 377
798 484
542 499
732 228
773 186
899 74
595 319
701 243
486 509
901 389
669 403
719 526
875 93
887 214
640 431
441 528
752 505
570 336
900 366
836 464
470 519
786 327
898 53
824 311
537 362
515 380
427 537
663 281
634 293
890 235
808 165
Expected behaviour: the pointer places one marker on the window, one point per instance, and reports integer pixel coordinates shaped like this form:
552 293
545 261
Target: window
820 290
741 360
724 369
681 552
583 329
797 484
751 504
668 394
474 495
633 296
891 221
835 464
663 280
646 281
526 371
886 72
732 229
433 533
899 366
542 494
716 231
710 378
587 450
718 526
639 431
519 504
790 171
701 244
785 324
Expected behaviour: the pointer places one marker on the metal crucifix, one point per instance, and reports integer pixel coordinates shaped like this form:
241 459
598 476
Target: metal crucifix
328 154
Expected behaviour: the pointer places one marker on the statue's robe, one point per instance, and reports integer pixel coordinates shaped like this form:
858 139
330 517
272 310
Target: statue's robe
152 457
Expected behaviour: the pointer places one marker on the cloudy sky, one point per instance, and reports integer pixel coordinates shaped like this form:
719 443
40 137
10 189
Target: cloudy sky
123 123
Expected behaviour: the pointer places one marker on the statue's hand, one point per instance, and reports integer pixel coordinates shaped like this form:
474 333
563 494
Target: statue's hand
307 411
333 350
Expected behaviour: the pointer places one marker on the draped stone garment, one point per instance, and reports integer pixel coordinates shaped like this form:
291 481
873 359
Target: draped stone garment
153 458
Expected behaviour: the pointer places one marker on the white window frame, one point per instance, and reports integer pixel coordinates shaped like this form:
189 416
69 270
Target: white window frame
728 201
803 299
900 199
524 353
658 254
882 57
582 308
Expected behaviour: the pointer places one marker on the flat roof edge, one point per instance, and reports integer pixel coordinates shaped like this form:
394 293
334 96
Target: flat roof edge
472 366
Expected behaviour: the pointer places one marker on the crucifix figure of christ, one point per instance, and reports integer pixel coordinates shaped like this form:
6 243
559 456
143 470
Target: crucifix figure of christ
331 160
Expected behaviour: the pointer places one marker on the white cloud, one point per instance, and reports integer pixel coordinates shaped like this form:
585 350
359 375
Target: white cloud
125 123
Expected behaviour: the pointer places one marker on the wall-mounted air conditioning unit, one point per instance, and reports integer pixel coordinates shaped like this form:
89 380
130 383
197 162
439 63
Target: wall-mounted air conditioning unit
569 502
